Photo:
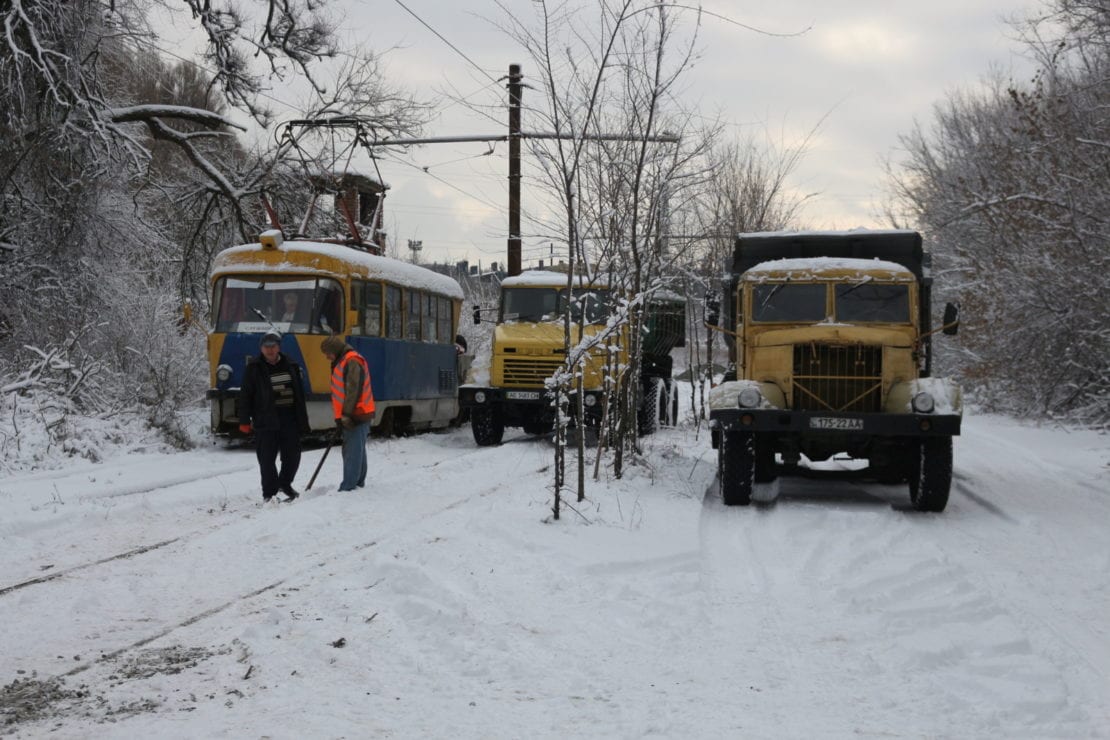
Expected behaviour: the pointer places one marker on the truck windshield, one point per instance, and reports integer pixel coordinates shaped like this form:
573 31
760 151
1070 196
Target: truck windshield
257 303
548 304
869 302
788 302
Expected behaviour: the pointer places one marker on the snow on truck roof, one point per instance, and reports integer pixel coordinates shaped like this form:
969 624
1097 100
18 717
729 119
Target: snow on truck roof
548 279
848 233
816 268
315 256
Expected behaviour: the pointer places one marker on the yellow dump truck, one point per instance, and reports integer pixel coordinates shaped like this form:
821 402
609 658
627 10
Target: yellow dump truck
508 389
830 339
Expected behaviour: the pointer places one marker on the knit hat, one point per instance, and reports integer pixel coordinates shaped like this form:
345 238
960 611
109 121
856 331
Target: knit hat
273 336
333 345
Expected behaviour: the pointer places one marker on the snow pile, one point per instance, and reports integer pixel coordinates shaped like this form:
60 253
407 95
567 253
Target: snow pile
39 431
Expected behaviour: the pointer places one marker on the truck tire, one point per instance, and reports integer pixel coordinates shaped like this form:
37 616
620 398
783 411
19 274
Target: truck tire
930 474
668 406
765 471
647 416
736 467
538 426
487 426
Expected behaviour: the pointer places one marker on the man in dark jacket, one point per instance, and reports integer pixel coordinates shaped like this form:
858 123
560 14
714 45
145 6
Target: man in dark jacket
272 405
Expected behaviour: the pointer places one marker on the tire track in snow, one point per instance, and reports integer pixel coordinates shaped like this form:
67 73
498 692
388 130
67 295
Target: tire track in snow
960 484
838 594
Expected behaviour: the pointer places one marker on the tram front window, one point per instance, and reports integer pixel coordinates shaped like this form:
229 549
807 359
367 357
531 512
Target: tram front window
252 304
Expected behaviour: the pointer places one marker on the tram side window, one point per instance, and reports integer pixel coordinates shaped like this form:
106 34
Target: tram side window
368 299
429 317
444 319
415 301
394 313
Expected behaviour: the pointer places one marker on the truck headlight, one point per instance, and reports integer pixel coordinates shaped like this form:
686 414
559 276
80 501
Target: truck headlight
223 373
479 397
750 398
923 403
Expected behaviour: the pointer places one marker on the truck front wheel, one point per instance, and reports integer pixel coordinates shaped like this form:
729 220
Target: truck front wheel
487 425
930 474
736 467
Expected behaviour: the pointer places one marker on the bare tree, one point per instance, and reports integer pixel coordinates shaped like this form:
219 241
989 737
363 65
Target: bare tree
609 83
1009 184
116 164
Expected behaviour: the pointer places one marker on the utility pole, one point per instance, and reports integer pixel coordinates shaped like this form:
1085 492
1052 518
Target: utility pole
514 137
515 89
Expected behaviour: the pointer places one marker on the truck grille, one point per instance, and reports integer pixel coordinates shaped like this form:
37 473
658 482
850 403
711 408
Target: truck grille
526 372
836 378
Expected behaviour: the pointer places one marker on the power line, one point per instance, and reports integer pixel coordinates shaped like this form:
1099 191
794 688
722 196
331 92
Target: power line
444 40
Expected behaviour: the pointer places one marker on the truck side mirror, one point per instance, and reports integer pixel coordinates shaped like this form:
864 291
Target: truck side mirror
477 314
951 319
712 313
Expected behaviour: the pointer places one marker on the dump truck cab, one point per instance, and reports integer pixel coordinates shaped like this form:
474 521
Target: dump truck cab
529 347
830 341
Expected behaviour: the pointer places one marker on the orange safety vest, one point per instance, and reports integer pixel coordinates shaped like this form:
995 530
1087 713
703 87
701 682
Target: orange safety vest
365 404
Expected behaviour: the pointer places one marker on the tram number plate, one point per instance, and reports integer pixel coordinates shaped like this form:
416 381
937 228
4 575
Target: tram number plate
522 395
836 422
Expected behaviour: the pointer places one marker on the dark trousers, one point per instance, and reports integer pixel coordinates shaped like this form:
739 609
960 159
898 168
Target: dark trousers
271 443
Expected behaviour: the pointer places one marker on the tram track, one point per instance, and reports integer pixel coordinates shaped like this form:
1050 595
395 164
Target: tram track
240 514
328 559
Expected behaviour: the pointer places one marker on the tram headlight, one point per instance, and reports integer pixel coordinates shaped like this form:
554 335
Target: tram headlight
750 398
923 403
223 373
590 400
479 397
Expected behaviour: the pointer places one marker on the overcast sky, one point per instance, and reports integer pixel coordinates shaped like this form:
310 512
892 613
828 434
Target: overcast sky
864 72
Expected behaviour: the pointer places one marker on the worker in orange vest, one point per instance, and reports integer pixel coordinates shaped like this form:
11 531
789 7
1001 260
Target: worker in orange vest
352 402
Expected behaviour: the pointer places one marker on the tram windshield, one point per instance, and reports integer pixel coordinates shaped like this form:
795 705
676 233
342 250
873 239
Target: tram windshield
548 304
297 305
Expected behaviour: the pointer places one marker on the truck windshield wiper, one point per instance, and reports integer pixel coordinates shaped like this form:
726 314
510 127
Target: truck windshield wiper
860 284
769 296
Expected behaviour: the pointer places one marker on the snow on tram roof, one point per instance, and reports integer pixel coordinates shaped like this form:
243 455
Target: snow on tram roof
400 273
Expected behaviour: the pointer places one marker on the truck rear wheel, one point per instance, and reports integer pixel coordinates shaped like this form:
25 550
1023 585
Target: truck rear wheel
930 474
736 467
539 426
487 426
647 416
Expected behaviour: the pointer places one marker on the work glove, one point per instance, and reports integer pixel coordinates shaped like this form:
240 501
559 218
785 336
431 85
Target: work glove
347 422
245 428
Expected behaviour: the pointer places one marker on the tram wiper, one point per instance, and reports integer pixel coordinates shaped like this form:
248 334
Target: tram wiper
266 319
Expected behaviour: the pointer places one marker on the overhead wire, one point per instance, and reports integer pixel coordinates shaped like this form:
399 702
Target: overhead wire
444 40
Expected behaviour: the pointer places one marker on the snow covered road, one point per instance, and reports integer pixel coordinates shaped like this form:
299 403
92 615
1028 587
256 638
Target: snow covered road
154 595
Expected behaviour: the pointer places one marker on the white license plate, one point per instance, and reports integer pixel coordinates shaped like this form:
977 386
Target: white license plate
522 395
836 422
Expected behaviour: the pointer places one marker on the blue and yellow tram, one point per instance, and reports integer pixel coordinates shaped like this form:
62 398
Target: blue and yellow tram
402 318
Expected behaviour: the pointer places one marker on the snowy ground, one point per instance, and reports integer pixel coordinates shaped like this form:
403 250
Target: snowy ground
153 595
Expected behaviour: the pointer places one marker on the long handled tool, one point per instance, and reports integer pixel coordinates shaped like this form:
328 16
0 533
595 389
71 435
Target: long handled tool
331 443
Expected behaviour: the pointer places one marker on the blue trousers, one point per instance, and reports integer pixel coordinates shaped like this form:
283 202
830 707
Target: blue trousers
354 456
